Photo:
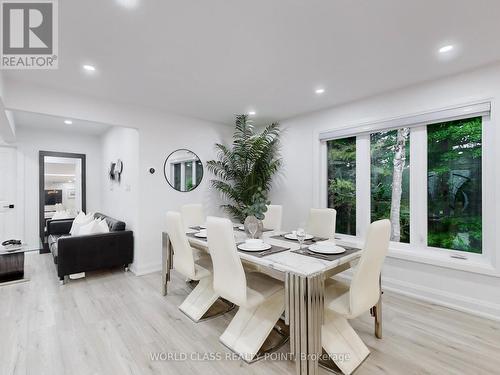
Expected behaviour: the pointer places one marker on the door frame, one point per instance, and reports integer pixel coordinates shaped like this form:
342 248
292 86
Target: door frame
41 183
15 199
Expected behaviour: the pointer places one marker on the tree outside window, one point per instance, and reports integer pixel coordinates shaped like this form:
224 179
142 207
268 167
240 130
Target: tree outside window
390 180
342 183
454 185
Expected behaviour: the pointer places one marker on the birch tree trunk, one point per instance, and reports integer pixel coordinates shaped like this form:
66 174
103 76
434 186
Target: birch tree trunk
397 182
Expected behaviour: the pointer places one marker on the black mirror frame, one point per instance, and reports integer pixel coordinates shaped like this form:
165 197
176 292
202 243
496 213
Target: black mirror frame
41 184
202 170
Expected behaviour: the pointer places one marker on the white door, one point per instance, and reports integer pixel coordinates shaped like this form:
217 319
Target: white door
8 192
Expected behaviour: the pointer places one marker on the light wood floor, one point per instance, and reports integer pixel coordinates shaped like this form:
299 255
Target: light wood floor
110 322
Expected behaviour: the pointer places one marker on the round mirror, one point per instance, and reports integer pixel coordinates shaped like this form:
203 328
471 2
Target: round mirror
183 170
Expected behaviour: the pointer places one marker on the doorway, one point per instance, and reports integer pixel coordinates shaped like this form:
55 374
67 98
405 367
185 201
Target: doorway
62 193
8 195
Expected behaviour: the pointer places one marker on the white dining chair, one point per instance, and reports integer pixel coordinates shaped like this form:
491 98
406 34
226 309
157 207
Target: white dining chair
203 296
343 302
261 299
193 215
321 222
273 217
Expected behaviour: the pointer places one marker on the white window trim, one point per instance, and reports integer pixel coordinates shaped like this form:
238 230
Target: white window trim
475 109
363 198
417 251
432 256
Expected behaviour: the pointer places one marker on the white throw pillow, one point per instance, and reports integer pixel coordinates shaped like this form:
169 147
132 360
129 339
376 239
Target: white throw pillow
76 222
94 227
87 229
103 226
79 221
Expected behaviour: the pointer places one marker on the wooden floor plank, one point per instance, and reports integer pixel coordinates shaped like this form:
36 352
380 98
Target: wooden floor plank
112 322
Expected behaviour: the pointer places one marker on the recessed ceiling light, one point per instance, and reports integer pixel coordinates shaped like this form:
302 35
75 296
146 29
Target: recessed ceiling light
129 4
251 113
446 49
89 68
319 91
68 122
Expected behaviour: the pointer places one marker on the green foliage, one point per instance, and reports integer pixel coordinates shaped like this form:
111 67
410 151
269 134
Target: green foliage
343 190
247 167
455 185
258 206
342 182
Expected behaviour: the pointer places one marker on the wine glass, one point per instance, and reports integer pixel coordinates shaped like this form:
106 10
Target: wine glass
252 228
301 235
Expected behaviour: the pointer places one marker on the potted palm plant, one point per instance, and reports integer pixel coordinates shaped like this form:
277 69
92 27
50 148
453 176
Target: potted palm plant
244 171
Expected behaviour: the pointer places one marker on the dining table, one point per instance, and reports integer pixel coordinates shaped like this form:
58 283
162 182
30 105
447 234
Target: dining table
304 278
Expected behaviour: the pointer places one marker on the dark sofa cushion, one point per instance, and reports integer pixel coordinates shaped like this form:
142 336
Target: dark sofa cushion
53 241
61 226
113 224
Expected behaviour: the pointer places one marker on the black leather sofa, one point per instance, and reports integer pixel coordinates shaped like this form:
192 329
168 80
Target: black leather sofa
74 254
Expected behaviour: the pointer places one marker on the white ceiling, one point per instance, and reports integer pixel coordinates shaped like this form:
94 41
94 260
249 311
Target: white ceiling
45 122
60 168
212 59
60 171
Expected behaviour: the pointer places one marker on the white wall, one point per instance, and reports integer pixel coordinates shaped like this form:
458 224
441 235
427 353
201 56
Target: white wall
29 142
2 85
156 195
120 199
298 188
7 125
160 133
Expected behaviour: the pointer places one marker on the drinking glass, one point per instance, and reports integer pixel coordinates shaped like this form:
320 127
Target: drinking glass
252 226
301 235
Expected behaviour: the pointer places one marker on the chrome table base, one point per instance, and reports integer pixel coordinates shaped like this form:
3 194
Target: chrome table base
304 312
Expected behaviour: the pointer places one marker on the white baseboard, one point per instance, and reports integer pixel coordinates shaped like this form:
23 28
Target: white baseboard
473 306
145 269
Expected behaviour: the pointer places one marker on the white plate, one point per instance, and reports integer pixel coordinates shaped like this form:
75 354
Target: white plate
244 247
200 235
292 236
203 226
324 250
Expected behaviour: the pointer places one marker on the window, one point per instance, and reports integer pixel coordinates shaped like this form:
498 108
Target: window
425 173
177 176
390 180
342 183
454 185
188 175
